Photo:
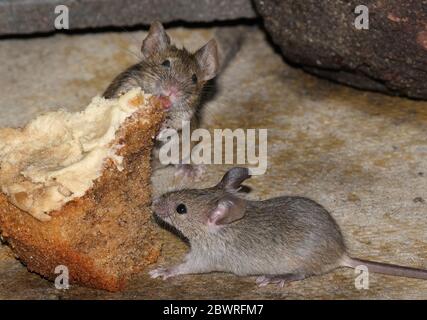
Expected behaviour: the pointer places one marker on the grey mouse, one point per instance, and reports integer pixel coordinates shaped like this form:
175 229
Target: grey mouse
172 73
280 239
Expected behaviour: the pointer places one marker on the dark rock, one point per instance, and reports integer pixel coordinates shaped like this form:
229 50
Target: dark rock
29 16
391 56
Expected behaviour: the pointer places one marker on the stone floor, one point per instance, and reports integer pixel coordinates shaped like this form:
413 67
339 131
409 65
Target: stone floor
362 155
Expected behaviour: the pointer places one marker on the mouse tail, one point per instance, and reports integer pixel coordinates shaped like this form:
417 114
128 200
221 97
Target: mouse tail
385 268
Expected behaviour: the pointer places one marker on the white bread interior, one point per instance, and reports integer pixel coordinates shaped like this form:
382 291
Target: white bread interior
56 157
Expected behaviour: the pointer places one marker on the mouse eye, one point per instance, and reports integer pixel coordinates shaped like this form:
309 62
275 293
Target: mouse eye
194 78
166 63
181 208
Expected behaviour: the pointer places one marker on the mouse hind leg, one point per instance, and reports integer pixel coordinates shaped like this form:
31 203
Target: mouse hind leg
280 280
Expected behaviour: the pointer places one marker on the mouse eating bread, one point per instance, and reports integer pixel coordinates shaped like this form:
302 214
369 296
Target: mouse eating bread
75 190
173 74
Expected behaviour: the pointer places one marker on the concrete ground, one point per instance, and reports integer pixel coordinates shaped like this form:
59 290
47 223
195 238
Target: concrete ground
361 155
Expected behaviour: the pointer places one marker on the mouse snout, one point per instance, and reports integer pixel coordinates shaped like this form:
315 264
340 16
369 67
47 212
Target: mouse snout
171 91
159 207
156 202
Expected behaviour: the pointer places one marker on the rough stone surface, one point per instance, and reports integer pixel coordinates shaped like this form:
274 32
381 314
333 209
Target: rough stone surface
23 16
362 155
391 56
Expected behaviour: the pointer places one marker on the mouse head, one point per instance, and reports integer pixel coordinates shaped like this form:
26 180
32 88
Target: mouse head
176 73
196 211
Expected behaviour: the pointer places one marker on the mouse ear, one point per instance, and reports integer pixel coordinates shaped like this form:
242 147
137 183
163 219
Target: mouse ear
157 40
227 210
233 179
207 59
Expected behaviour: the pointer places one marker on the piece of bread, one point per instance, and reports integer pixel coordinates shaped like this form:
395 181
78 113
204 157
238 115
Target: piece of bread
76 191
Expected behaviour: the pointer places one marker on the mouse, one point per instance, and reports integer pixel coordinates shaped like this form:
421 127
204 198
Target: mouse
279 240
175 75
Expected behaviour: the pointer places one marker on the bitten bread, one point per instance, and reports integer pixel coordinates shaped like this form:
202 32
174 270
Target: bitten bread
75 190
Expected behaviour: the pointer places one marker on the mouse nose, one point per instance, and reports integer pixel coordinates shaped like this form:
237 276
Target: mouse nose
155 202
170 91
159 207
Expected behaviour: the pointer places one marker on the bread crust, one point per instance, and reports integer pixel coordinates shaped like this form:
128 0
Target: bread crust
107 235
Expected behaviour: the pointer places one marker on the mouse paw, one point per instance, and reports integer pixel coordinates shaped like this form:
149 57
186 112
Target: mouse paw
190 171
262 281
163 273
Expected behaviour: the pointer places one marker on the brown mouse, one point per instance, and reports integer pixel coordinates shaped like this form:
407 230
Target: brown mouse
280 239
170 72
